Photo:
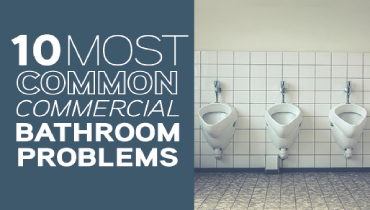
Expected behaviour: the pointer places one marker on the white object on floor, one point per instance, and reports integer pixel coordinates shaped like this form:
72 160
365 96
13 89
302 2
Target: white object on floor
218 122
283 122
347 122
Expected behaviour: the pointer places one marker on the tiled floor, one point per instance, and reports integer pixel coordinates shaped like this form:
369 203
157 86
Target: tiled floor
323 190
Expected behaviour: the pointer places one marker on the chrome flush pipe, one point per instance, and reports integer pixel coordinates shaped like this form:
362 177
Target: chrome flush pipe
283 90
348 90
217 89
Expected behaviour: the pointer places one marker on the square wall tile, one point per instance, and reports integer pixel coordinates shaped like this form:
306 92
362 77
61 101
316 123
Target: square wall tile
306 148
339 59
338 161
225 71
258 71
274 57
355 71
339 71
257 148
307 71
241 58
257 161
242 109
323 71
241 97
274 83
306 84
291 162
307 123
291 96
241 148
323 84
307 109
207 161
241 71
275 71
258 57
257 135
258 96
356 97
322 110
258 84
271 149
241 161
322 161
290 71
322 148
225 57
208 57
225 162
322 135
207 83
307 97
338 83
241 84
355 59
322 123
257 110
357 85
258 123
335 149
290 57
322 97
207 96
306 136
241 135
306 161
226 96
307 58
274 97
323 58
243 123
208 71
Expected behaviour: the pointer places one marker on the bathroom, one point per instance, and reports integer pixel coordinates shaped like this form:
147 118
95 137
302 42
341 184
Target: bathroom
251 47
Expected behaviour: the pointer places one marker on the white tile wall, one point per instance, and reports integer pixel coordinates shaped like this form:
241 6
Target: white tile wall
250 81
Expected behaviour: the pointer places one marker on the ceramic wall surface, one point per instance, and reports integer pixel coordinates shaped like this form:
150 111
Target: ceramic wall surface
250 81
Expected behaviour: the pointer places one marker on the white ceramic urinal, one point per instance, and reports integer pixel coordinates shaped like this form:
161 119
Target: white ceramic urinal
283 122
347 122
218 122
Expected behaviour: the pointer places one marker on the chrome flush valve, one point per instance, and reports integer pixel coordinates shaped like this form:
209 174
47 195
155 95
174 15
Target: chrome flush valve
283 90
348 90
217 89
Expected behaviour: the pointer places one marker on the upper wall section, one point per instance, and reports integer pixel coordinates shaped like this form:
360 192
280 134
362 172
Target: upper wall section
284 25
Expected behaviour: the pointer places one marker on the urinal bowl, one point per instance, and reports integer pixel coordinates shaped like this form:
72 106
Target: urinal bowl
218 123
347 122
283 122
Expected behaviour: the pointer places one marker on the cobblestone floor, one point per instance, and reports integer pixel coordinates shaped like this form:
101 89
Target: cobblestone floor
323 190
